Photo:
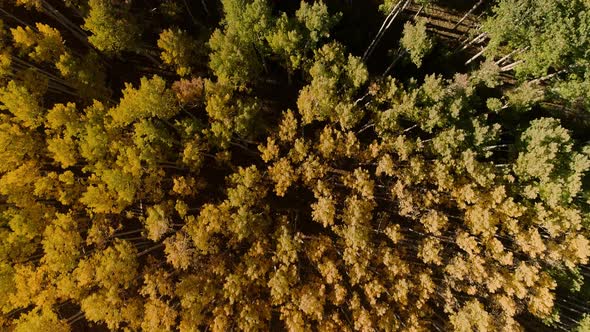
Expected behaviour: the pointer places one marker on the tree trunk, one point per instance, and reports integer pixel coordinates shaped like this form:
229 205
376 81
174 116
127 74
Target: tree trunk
148 250
16 18
515 52
546 77
66 23
504 58
399 56
386 24
418 12
477 38
205 7
468 13
475 56
511 66
190 13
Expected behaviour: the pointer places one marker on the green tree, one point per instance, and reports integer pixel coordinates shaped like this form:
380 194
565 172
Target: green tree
24 100
416 41
151 99
43 44
112 27
178 50
86 74
522 25
229 114
296 38
549 163
335 79
239 47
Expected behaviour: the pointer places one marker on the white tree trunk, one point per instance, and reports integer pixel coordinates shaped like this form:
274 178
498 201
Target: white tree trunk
511 66
475 56
385 26
468 13
477 39
504 58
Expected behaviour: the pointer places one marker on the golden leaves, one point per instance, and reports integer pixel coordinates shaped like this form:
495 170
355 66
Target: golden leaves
472 316
283 174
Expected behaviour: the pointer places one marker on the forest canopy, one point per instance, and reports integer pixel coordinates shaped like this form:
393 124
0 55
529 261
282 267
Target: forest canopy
396 165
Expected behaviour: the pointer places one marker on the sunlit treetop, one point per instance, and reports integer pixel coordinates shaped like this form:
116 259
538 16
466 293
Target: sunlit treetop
318 165
112 27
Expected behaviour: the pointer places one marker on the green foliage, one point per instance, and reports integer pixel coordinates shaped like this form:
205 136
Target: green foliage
24 100
334 81
151 99
552 34
434 104
112 27
233 60
228 114
237 48
548 162
416 41
44 44
295 38
86 74
387 6
584 324
574 89
178 50
546 40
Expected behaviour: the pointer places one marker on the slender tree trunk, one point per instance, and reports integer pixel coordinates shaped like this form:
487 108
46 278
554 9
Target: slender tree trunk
128 233
570 307
16 18
147 54
204 7
511 66
66 23
49 75
190 13
393 10
75 317
418 12
146 251
385 26
366 127
546 77
475 56
468 13
410 128
477 38
243 147
189 114
504 58
401 53
361 98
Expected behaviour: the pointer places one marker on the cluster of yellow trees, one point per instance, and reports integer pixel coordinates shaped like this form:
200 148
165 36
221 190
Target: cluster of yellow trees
210 197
